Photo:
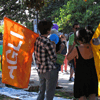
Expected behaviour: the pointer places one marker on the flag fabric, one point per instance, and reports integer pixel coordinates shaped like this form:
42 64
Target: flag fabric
95 43
18 46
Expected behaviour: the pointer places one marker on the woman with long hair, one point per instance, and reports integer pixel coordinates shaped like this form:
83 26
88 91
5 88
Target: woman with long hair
86 82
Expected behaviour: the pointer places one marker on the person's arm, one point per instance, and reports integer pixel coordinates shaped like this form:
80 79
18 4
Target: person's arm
62 47
71 55
63 43
71 47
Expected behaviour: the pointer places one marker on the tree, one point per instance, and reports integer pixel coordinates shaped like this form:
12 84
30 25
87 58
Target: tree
1 28
63 12
21 10
37 4
51 10
77 10
16 11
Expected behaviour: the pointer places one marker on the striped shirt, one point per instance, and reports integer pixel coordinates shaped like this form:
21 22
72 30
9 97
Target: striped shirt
45 54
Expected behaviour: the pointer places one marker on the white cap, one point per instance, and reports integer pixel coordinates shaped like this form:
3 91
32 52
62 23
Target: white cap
54 31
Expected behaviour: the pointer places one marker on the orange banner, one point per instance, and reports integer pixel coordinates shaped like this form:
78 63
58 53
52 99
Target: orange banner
18 46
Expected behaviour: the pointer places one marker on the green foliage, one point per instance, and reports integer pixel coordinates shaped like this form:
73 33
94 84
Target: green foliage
29 25
51 9
1 28
37 4
77 10
16 11
22 11
62 12
3 97
66 95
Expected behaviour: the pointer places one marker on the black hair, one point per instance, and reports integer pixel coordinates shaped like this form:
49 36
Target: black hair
89 29
76 23
44 26
82 35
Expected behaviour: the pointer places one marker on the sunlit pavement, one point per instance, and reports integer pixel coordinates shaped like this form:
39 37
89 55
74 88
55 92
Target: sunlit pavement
63 80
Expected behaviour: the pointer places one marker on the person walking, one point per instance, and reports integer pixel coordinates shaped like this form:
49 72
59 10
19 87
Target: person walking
45 56
86 82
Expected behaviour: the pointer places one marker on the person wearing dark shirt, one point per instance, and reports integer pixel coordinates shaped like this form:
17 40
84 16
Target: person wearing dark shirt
86 81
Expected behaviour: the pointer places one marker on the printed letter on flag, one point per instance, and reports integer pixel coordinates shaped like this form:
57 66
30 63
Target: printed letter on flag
95 43
18 46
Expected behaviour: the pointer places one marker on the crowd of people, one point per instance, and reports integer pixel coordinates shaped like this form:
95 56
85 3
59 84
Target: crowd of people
77 50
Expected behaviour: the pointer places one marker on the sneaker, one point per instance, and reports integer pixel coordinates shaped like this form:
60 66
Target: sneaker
71 79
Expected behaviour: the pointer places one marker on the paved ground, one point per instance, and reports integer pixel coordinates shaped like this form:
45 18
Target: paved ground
63 80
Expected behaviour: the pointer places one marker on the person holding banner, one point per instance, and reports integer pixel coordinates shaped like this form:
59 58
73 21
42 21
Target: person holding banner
45 56
86 82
